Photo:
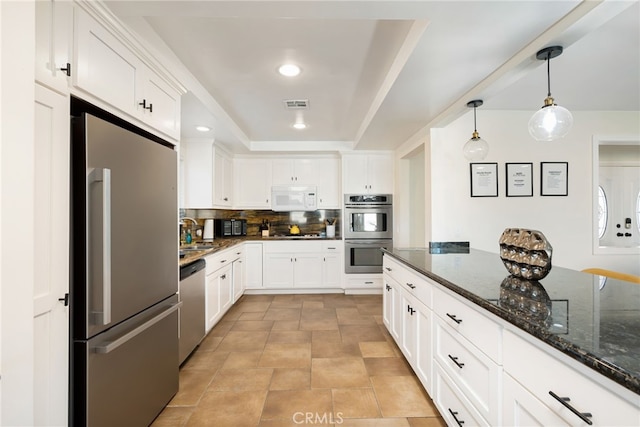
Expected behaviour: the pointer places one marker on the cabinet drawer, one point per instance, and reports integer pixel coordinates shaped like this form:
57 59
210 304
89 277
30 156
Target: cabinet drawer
283 246
473 372
412 281
474 326
332 246
552 375
218 260
451 403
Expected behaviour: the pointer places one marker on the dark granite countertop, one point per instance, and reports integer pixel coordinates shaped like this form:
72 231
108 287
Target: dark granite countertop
595 323
222 243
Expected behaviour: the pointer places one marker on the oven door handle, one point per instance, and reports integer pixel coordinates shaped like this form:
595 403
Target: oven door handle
368 242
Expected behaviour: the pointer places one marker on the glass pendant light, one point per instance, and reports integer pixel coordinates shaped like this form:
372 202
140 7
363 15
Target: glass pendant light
552 121
476 148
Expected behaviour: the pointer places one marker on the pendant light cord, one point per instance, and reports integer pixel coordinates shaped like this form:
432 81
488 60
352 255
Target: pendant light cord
548 76
475 127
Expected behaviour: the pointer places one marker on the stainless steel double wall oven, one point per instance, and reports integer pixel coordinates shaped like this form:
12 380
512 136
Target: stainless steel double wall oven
368 229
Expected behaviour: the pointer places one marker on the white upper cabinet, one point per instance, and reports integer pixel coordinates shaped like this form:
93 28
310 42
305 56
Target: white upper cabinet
252 183
222 179
53 44
328 183
368 173
108 73
197 159
295 172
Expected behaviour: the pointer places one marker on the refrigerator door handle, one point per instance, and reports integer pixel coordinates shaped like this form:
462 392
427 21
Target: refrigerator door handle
110 346
103 175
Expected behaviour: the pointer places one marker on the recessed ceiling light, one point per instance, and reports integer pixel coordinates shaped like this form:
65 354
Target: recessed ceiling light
203 128
299 126
289 70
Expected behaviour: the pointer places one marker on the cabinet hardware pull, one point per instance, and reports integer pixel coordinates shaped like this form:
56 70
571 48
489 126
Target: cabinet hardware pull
368 283
388 287
387 268
584 416
224 260
411 285
224 276
455 360
330 248
410 310
454 318
453 414
65 299
66 69
144 105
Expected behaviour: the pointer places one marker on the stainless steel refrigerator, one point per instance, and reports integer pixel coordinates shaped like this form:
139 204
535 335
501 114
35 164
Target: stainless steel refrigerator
123 303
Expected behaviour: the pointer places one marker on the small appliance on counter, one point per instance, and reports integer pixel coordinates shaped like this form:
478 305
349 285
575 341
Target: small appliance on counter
207 235
230 227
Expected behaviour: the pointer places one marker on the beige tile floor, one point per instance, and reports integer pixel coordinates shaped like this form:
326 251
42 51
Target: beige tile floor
300 360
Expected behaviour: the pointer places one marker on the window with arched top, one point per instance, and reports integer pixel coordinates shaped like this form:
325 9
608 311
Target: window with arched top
603 211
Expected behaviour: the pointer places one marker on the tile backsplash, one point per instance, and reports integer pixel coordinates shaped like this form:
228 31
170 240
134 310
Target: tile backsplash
310 222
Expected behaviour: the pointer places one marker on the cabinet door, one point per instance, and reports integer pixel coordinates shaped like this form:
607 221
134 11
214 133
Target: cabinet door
521 408
223 180
53 43
283 172
332 271
380 173
238 278
253 265
409 328
387 304
252 183
423 361
306 172
225 283
354 169
212 307
51 255
307 270
106 69
329 195
198 173
161 107
278 270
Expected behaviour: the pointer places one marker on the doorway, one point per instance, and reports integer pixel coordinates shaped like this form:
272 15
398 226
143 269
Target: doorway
616 200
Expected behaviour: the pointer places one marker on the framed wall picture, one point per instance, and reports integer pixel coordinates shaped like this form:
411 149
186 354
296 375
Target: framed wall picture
484 179
554 178
519 179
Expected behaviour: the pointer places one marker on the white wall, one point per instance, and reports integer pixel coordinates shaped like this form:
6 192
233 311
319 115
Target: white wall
17 28
565 221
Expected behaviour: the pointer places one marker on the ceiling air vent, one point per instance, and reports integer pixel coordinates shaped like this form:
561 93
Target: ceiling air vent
296 104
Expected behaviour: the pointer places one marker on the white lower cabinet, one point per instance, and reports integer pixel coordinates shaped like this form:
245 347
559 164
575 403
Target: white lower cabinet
481 370
540 374
475 374
253 265
452 403
521 408
239 282
219 288
409 319
301 265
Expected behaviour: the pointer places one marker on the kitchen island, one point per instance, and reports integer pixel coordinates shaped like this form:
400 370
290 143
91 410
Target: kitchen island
589 323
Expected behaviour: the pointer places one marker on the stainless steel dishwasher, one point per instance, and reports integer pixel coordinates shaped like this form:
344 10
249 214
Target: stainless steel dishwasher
192 312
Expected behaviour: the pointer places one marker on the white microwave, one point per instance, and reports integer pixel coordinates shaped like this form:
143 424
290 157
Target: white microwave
293 198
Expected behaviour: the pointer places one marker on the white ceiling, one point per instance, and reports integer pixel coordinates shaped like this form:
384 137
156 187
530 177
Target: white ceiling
377 73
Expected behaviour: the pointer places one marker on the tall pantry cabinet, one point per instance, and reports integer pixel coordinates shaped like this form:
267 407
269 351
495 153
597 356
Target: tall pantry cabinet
76 48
